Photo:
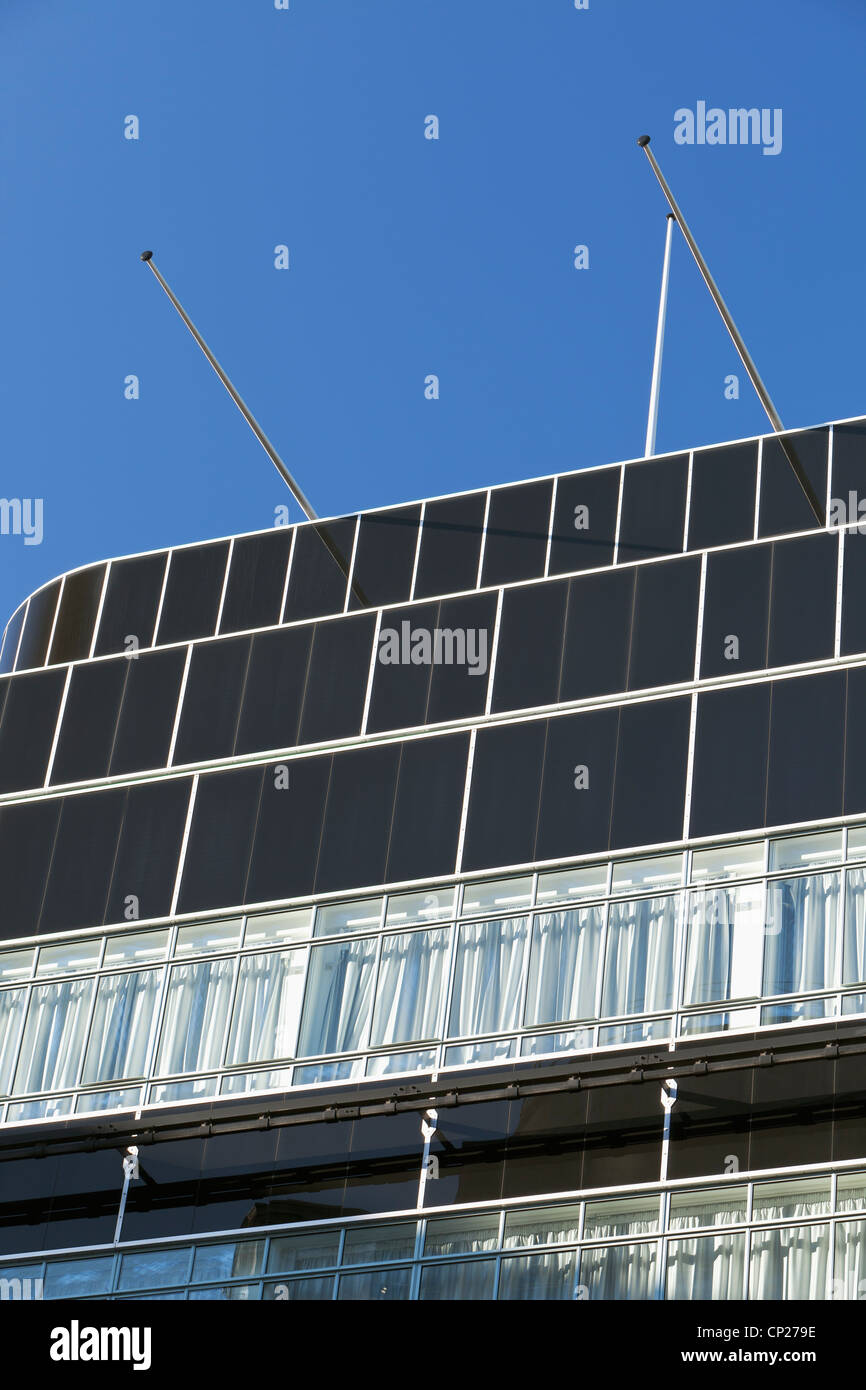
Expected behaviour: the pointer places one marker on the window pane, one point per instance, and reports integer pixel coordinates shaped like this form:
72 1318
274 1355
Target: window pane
496 895
638 973
626 1272
563 965
472 1279
487 977
411 977
851 1191
333 919
154 1269
549 1276
849 1271
857 842
75 1278
575 1040
790 1262
366 1244
60 960
806 851
427 906
16 965
462 1235
626 1216
708 1268
236 1259
572 883
267 1007
732 861
541 1226
632 875
122 1022
376 1284
780 1201
396 1062
723 958
800 937
470 1053
54 1036
317 1250
12 1003
338 997
137 947
203 937
718 1206
278 927
854 957
278 1080
321 1287
196 1016
118 1098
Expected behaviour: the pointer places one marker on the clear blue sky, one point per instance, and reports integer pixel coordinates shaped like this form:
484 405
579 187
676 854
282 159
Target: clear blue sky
409 256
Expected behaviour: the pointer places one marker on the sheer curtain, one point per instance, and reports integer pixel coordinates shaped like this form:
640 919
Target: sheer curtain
196 1016
532 1278
704 1267
122 1022
800 942
54 1036
338 997
267 1007
849 1270
723 959
626 1272
790 1262
638 974
488 975
563 965
409 992
11 1014
854 959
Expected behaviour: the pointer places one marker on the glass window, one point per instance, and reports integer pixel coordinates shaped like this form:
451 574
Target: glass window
54 1036
714 1206
800 933
277 927
731 861
226 1293
40 1109
376 1285
805 851
412 973
396 1062
633 875
462 1235
710 1267
541 1226
849 1270
136 948
563 965
320 1287
469 1053
333 919
338 997
723 955
496 895
459 1280
75 955
118 1098
277 1080
572 883
196 1016
321 1072
790 1200
854 952
790 1262
374 1244
717 1022
122 1024
317 1250
12 1005
154 1269
625 1216
851 1191
232 1260
534 1277
621 1034
200 937
183 1090
76 1278
796 1012
428 906
854 1004
639 966
626 1272
487 979
16 965
575 1040
267 1007
857 842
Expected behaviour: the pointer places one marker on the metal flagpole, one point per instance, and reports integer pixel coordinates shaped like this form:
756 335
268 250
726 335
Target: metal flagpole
653 418
754 377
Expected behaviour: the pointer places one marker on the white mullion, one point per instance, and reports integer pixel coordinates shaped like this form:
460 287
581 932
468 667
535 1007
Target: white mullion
98 619
491 674
152 1052
183 845
224 590
830 441
483 545
56 739
285 597
54 622
227 1031
28 988
758 471
445 1006
615 558
699 636
467 788
20 635
417 559
551 523
687 517
690 764
91 1014
351 575
840 575
371 673
179 710
159 607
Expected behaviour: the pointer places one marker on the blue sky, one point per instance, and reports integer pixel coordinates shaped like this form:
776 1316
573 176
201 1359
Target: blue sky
408 256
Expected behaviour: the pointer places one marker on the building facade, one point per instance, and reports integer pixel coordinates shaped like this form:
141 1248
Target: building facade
488 921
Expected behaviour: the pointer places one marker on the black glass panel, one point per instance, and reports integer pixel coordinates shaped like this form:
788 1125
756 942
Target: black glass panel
584 520
653 508
163 1202
665 623
803 600
807 721
311 1174
257 577
337 680
358 818
11 638
286 848
276 678
383 1163
503 802
469 1145
529 652
385 557
623 1135
33 647
403 666
849 472
427 809
729 781
79 605
317 583
27 833
722 504
458 687
853 591
450 545
83 861
577 788
710 1123
736 603
855 742
212 700
597 634
146 866
131 603
220 842
784 506
27 728
193 592
545 1150
792 1106
649 789
148 711
517 531
89 721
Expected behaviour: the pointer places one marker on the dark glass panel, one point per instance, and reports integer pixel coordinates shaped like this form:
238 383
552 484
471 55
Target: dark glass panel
27 834
803 600
665 623
384 1158
79 605
597 634
310 1180
584 520
792 1109
722 504
385 557
37 627
469 1144
257 577
458 690
289 829
317 584
807 721
147 854
164 1203
710 1122
358 817
503 802
544 1152
27 728
653 508
517 531
401 687
427 809
337 679
855 742
736 603
650 780
89 721
849 468
623 1135
148 711
235 1169
577 787
849 1130
276 678
729 781
131 603
220 842
529 651
212 700
83 861
784 506
450 545
10 639
854 594
192 593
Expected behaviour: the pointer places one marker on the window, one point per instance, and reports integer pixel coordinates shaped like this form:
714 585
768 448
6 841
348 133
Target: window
489 967
196 1016
267 1007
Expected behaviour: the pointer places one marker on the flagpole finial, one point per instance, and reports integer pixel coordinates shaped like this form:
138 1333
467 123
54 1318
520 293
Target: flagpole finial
643 141
146 255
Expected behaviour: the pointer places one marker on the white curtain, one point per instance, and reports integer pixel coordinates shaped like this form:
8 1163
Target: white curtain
854 958
706 1267
459 1280
122 1022
532 1278
54 1036
626 1272
723 953
563 965
549 1227
638 974
11 1014
196 1016
409 992
849 1270
338 996
790 1262
267 1007
800 941
487 980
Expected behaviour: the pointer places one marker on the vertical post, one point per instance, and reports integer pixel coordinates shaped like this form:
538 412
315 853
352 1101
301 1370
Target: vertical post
655 388
130 1171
